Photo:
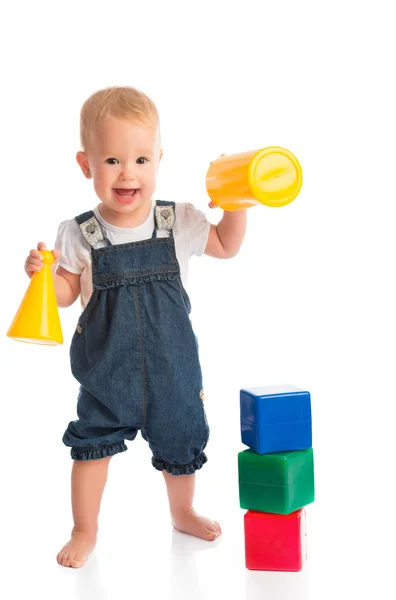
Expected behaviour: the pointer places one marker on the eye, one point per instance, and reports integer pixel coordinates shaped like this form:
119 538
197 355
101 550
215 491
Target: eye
141 160
112 161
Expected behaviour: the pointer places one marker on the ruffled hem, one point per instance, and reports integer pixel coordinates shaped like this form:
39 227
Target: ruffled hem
189 469
91 453
105 285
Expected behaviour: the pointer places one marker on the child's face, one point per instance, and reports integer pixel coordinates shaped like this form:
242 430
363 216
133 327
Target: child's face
123 163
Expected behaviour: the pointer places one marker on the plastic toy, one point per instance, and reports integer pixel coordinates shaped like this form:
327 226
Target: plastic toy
276 419
271 176
276 477
275 542
276 483
37 319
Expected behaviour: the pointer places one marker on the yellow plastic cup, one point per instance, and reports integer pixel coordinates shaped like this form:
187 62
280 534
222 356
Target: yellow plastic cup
37 319
270 176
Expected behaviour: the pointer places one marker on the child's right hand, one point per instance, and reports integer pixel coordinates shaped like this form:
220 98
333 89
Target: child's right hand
34 264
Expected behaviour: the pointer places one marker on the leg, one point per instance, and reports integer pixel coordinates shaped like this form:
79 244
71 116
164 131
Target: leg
184 518
88 481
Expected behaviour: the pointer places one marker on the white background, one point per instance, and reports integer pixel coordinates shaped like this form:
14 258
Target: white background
309 300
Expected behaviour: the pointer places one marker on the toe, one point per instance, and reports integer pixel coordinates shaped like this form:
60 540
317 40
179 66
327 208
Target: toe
76 564
77 561
218 528
212 532
215 528
62 560
62 557
66 560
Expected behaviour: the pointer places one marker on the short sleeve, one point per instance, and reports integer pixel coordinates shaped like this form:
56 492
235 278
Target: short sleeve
69 242
198 229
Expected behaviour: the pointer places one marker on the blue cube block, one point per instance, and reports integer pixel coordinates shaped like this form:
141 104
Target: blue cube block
276 419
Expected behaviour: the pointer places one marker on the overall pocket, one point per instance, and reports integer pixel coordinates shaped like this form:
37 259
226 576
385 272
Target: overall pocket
87 310
77 342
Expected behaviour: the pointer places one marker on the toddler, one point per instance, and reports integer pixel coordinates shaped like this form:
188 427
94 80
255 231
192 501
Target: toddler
134 352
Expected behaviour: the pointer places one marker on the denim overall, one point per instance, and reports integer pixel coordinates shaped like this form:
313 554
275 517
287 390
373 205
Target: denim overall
135 354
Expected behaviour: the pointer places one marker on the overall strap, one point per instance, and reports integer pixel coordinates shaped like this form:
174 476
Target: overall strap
91 229
164 217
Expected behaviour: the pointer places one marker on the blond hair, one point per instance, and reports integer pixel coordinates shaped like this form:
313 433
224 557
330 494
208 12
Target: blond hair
121 102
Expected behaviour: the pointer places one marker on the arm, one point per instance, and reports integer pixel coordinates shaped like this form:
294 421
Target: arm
67 287
225 238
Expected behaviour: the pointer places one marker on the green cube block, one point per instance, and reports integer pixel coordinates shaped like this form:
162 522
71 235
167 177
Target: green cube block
277 483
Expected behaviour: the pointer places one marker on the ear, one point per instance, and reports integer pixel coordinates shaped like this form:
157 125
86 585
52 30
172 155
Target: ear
82 160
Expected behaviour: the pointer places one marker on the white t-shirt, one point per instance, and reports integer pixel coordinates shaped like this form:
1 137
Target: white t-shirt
191 232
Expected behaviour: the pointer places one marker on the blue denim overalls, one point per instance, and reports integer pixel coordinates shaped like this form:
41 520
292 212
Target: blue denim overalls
135 354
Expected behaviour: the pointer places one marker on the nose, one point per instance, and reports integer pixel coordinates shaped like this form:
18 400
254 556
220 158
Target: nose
128 173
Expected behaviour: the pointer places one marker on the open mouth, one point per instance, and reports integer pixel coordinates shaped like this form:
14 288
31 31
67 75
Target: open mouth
125 195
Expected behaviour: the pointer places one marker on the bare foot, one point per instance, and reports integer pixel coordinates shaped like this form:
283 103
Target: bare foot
196 525
77 550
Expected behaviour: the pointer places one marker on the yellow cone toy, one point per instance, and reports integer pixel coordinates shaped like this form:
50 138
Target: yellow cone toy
271 176
37 319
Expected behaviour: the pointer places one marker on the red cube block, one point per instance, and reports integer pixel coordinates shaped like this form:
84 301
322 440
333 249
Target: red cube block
275 542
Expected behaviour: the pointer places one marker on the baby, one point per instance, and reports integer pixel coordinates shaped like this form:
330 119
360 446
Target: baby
134 351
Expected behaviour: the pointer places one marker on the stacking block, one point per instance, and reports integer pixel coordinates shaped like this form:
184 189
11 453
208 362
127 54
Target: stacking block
275 542
276 483
276 419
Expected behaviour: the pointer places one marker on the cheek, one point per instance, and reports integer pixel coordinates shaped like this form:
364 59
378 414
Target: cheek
97 182
150 178
102 180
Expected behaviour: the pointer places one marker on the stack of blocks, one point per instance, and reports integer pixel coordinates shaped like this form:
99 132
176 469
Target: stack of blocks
276 475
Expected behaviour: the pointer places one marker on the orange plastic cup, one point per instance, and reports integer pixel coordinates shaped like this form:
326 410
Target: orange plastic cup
271 176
